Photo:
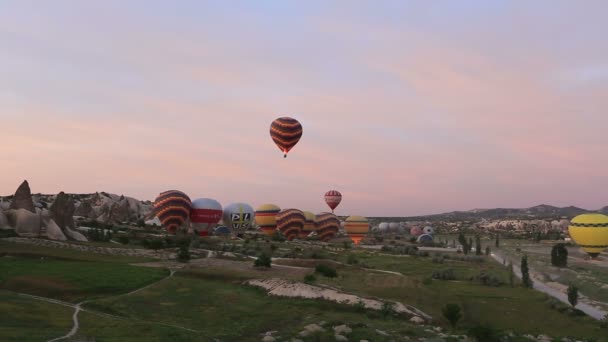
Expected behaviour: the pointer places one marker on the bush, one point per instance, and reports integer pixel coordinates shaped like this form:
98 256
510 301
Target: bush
484 334
352 259
183 255
387 309
123 239
359 306
278 237
559 255
427 281
487 279
451 312
326 271
447 274
438 259
154 244
310 278
263 261
347 244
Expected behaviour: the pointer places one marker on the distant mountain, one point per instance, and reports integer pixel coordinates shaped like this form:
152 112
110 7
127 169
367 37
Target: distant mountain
542 211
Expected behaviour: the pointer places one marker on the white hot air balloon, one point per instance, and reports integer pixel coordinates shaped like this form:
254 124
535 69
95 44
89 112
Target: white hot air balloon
238 217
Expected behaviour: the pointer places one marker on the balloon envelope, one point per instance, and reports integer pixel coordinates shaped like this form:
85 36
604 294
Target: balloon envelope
238 217
172 209
205 213
266 218
425 238
356 227
290 222
285 132
590 231
327 226
415 231
383 227
428 230
309 225
333 198
221 230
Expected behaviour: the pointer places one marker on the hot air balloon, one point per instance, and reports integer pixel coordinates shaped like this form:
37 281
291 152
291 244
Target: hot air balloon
356 227
204 214
428 230
333 198
327 226
290 222
238 217
590 231
383 227
424 239
415 231
393 226
266 218
221 231
309 225
172 209
285 132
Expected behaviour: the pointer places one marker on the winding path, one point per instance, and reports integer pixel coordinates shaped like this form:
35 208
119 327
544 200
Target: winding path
542 287
78 308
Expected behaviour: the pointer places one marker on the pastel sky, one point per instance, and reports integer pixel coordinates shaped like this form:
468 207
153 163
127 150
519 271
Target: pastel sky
408 107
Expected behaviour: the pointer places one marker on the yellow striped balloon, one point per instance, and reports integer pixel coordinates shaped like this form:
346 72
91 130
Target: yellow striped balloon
590 231
266 218
309 225
356 227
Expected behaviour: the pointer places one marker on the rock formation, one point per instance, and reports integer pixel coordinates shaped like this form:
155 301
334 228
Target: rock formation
62 211
23 198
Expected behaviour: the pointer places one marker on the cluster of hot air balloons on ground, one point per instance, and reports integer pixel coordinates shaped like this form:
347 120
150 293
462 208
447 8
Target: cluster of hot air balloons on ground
421 234
174 208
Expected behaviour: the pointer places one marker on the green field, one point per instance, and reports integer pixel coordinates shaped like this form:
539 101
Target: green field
201 302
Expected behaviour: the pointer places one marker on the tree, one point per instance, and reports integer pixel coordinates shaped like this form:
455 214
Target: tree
488 251
497 242
451 312
573 295
511 274
183 255
477 245
537 238
470 245
559 255
525 275
463 241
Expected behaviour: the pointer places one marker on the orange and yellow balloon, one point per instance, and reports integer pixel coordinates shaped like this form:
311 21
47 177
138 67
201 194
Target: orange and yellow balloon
356 227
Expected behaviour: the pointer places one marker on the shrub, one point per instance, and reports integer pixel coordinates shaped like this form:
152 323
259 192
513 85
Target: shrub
387 309
309 278
447 274
347 244
451 312
559 255
183 255
572 295
352 259
438 259
123 239
154 244
484 333
487 279
359 306
427 281
278 237
263 261
326 271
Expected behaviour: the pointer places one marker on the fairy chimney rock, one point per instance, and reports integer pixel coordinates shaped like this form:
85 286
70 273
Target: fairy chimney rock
23 198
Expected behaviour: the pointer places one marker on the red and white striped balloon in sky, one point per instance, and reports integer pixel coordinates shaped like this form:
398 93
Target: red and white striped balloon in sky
333 198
